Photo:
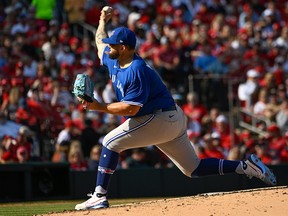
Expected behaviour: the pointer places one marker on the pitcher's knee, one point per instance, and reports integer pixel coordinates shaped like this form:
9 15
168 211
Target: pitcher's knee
112 145
187 172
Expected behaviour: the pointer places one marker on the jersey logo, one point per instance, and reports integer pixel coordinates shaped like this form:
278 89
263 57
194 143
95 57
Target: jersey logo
170 116
120 88
113 78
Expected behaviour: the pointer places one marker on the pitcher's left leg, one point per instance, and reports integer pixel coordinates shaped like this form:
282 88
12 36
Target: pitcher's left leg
182 153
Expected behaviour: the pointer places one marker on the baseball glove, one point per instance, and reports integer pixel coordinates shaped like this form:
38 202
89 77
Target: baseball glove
83 87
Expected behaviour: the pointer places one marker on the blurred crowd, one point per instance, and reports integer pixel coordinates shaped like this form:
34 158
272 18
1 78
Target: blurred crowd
235 51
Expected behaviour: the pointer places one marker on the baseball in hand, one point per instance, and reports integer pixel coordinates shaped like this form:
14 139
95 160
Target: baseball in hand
107 9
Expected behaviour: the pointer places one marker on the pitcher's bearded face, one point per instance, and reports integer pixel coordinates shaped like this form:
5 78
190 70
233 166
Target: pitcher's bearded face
114 51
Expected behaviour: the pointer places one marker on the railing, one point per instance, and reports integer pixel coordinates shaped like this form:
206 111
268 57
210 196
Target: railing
252 122
84 30
230 84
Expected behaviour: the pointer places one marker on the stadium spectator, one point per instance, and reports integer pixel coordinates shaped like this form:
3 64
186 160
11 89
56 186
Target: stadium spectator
30 67
76 158
166 61
90 70
74 44
260 105
75 11
15 95
284 152
51 47
110 122
268 82
17 149
65 76
276 140
281 93
212 147
207 125
77 67
248 14
94 157
148 48
248 90
7 127
65 55
204 60
52 67
273 106
21 26
23 115
282 117
44 11
214 112
228 138
36 103
85 138
137 159
194 128
63 141
22 155
193 108
263 152
8 150
87 52
53 28
60 154
64 34
92 13
108 93
216 71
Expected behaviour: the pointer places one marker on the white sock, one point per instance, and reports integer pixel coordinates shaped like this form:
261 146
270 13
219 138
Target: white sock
239 168
100 189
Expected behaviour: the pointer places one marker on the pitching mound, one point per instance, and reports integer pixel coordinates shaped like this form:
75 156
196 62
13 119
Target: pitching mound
264 201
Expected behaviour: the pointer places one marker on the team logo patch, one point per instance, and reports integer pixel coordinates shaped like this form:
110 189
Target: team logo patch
105 170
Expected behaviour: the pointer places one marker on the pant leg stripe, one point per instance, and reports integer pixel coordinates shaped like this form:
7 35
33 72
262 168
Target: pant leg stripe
129 131
221 167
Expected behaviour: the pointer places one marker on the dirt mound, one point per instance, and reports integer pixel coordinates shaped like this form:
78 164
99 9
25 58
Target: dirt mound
263 201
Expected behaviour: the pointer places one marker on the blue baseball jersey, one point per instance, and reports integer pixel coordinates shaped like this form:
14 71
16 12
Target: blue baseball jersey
138 84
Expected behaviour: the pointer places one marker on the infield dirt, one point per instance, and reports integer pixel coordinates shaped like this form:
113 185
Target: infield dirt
263 202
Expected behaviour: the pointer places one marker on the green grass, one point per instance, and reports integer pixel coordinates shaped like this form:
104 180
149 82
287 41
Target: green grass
34 208
44 207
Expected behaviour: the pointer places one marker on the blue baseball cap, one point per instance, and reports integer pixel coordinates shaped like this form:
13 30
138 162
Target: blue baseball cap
122 36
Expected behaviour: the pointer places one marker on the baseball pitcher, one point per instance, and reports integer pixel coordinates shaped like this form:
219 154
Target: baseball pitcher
152 117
